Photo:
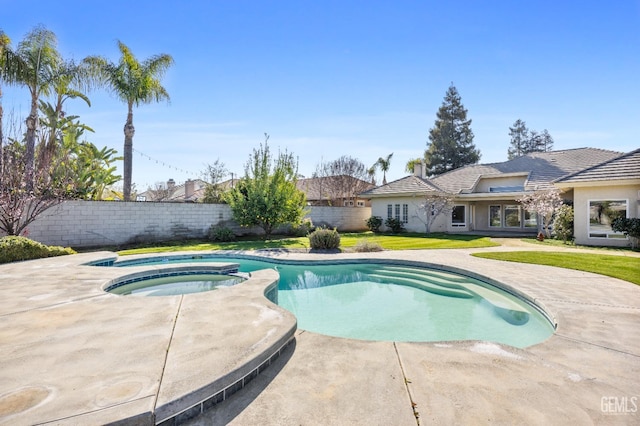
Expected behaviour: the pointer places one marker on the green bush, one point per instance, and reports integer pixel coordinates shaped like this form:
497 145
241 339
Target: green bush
324 239
374 223
396 226
221 234
563 223
13 249
303 229
630 227
365 246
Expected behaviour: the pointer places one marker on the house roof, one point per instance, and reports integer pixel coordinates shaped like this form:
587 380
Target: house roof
538 170
624 167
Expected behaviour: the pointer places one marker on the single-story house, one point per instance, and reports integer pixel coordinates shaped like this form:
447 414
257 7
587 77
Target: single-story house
600 193
485 195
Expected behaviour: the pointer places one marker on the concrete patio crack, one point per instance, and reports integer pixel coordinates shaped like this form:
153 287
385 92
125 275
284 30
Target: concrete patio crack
414 406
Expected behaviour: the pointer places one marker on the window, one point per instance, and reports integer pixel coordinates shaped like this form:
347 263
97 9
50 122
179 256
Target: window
348 203
398 212
405 213
360 203
602 213
530 219
495 216
458 216
389 211
512 216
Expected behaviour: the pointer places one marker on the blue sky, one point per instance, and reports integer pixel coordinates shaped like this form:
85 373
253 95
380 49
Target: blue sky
359 78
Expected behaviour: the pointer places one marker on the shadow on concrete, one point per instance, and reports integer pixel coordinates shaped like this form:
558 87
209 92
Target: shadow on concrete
224 412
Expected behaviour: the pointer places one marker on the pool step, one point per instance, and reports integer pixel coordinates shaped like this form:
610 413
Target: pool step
500 301
423 285
435 278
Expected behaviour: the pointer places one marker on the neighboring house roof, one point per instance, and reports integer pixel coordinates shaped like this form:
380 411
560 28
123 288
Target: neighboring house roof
316 190
623 168
536 171
409 185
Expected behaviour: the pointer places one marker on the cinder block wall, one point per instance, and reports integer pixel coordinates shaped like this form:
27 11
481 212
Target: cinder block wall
100 223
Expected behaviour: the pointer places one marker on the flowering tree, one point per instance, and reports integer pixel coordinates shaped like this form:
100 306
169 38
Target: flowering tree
433 205
19 204
543 204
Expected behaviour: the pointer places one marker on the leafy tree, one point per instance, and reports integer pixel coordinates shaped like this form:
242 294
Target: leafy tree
134 83
433 205
343 178
384 163
544 204
213 175
267 196
524 141
451 139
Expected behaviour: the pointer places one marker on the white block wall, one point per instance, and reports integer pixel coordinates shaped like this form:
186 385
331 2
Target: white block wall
102 223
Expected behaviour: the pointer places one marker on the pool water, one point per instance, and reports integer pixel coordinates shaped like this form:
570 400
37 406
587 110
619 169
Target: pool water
393 302
173 285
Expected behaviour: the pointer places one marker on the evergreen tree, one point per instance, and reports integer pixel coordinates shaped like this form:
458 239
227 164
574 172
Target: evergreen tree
524 141
451 139
519 139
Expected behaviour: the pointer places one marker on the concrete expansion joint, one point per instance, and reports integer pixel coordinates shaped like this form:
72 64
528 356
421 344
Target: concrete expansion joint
166 354
575 302
407 382
573 339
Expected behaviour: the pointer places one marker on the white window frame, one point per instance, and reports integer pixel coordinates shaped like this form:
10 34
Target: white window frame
607 234
464 217
500 211
510 207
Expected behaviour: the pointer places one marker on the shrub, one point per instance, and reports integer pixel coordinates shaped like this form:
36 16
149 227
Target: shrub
324 239
395 225
374 223
221 234
364 246
630 227
13 249
303 229
563 223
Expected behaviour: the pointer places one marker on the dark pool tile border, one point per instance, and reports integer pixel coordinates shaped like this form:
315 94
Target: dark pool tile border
221 395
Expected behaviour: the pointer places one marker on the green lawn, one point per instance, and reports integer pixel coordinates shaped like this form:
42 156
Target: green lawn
347 241
623 267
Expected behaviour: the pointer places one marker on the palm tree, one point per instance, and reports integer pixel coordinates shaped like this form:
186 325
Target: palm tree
384 164
371 171
5 43
34 65
134 83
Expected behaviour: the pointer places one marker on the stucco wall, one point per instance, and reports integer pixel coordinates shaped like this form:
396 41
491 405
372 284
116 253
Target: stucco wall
416 214
581 198
94 223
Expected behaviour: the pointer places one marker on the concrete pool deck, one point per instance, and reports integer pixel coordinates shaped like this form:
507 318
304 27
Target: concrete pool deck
69 360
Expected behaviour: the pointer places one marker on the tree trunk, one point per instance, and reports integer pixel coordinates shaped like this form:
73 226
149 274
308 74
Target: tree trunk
129 131
29 158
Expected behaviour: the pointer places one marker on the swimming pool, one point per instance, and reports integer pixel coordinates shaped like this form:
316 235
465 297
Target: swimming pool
392 301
